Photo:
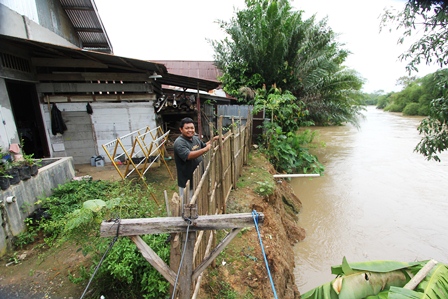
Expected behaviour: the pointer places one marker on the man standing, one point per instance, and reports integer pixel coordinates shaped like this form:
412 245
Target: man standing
188 151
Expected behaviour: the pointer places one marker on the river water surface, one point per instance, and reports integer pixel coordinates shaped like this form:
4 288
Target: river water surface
377 200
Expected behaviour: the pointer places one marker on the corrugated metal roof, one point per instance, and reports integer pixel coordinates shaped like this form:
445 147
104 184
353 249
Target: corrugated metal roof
111 62
205 70
87 22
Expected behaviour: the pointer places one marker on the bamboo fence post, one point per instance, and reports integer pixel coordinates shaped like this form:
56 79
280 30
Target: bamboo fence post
211 179
222 166
232 156
175 238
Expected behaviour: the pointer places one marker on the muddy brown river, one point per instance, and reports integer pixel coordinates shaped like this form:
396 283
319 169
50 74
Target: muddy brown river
377 200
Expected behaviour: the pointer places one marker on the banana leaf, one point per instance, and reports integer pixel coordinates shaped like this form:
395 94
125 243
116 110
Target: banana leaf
382 280
373 266
433 286
324 291
360 280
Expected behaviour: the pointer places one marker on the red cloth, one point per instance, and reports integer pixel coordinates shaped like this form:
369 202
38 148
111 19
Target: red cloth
14 148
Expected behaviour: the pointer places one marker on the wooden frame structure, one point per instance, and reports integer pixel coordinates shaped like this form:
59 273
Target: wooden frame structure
133 228
144 148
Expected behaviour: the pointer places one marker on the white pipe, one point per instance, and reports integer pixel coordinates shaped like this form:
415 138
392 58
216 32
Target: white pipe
297 175
10 199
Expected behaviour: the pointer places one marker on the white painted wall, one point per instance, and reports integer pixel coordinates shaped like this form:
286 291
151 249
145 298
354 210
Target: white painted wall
109 121
24 7
14 24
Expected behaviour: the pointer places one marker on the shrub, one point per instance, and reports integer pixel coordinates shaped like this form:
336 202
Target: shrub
411 109
265 188
393 108
77 208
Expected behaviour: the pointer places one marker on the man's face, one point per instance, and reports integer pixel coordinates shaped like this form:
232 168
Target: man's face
188 130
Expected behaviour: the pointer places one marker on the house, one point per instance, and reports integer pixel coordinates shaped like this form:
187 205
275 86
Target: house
55 54
177 101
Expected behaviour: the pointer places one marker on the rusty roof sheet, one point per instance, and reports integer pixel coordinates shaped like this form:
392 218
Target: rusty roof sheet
205 70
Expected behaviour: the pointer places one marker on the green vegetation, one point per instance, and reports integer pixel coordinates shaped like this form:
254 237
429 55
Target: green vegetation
383 279
285 146
270 45
415 98
73 214
274 59
265 188
431 19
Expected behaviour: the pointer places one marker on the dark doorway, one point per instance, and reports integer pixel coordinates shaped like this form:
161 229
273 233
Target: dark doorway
28 118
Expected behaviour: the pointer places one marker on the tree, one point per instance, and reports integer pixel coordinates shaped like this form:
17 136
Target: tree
269 44
431 18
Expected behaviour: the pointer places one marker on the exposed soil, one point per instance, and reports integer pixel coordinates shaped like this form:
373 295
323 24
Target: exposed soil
41 272
242 265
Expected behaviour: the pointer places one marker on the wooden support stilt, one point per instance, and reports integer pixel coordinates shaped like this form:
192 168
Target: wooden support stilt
185 279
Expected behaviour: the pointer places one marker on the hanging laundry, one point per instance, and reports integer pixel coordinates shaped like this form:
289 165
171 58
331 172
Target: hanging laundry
89 108
57 123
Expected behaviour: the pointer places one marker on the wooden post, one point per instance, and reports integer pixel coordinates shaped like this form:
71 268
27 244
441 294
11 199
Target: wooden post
185 279
198 107
175 238
232 156
222 204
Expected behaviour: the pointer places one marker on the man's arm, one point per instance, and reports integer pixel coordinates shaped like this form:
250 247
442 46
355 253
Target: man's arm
195 154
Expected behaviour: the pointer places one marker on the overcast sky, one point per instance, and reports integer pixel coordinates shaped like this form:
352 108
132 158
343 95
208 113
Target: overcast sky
178 29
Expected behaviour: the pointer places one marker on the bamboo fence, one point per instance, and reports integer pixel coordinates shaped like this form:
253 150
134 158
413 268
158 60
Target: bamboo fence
212 182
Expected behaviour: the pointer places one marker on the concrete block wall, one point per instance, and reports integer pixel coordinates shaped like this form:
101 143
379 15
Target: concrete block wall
25 194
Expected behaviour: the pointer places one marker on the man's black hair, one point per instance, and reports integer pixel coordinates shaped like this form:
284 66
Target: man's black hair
184 121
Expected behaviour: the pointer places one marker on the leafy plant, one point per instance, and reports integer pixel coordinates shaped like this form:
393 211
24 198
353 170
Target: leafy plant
29 160
363 280
25 238
77 208
265 188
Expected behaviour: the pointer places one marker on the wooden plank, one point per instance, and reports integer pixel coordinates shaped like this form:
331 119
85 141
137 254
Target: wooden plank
67 62
93 87
154 259
158 225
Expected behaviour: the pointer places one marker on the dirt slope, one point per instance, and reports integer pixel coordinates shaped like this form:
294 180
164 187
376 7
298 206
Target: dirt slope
241 266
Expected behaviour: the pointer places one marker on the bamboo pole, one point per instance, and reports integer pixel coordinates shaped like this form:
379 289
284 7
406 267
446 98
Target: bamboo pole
198 282
232 157
296 175
222 166
420 275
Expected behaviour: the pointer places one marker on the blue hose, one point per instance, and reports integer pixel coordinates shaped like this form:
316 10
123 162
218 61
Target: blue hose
255 217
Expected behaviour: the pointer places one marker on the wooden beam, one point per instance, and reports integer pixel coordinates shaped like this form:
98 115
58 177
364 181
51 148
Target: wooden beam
93 76
60 98
221 246
67 62
154 259
158 225
92 87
